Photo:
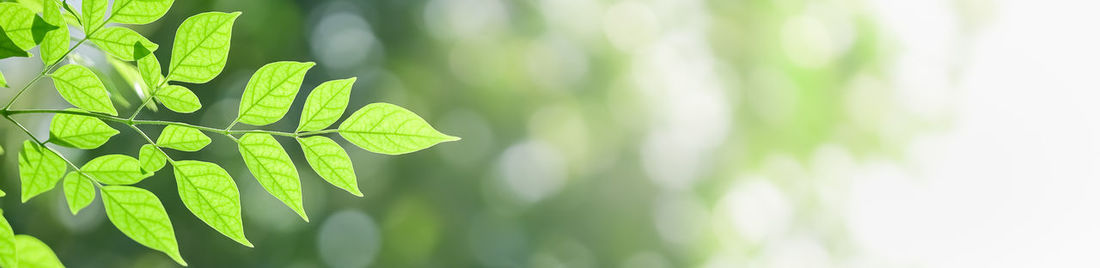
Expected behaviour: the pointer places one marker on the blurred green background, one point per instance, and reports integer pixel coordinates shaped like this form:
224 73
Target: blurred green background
596 133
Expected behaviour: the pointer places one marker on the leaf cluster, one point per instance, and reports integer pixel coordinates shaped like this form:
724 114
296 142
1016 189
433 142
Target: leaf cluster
197 55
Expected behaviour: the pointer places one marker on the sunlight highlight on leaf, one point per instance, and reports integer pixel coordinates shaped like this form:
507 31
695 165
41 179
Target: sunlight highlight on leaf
271 165
201 46
78 131
79 191
389 129
81 87
325 104
210 193
182 138
270 91
115 169
39 169
140 215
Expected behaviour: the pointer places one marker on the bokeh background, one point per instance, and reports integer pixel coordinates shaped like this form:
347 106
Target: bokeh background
646 133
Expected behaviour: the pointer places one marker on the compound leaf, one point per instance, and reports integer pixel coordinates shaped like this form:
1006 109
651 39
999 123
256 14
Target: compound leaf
138 11
79 131
56 42
18 22
35 254
8 252
81 87
270 91
182 138
119 42
39 169
325 104
331 162
209 193
201 47
151 158
115 169
178 99
140 215
389 129
271 165
79 191
94 12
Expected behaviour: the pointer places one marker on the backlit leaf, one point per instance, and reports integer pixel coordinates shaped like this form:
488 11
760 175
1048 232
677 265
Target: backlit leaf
182 138
56 42
3 82
81 87
209 193
138 11
271 165
115 169
79 191
151 158
270 91
201 47
94 12
35 254
39 169
140 215
389 129
148 67
78 131
8 253
331 162
18 22
178 99
325 104
119 41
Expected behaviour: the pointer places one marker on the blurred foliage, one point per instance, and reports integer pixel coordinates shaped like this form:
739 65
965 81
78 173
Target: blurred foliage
595 133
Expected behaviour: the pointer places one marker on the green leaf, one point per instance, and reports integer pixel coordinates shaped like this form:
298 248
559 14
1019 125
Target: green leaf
94 12
8 253
271 165
209 193
151 158
81 87
3 82
119 42
182 138
138 11
270 91
115 169
201 47
18 22
56 42
39 169
140 215
389 129
148 66
178 99
78 131
331 162
79 191
35 254
325 104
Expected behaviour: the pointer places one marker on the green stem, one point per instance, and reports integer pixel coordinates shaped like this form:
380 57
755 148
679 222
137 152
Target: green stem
130 122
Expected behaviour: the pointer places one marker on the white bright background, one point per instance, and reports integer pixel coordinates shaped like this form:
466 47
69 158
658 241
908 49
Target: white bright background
1012 181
